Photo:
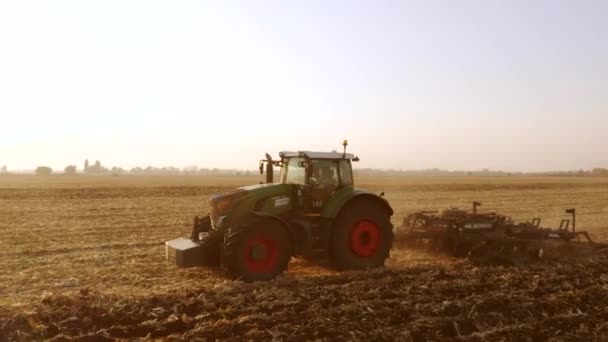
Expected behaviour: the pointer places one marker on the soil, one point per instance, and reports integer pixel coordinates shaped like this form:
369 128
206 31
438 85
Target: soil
82 259
438 301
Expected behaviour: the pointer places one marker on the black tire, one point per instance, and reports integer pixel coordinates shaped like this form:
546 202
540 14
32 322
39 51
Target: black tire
362 236
268 239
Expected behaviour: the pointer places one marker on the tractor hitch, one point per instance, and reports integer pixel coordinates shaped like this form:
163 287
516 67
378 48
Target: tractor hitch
189 252
201 249
200 225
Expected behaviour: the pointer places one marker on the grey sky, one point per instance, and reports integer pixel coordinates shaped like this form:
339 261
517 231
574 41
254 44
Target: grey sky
512 85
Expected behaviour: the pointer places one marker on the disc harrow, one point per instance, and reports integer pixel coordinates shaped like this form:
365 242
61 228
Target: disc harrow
490 238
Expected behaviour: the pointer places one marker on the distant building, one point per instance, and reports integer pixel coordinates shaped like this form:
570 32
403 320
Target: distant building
70 170
43 171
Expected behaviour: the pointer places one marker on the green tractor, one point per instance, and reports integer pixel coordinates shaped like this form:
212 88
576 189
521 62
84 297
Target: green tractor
314 211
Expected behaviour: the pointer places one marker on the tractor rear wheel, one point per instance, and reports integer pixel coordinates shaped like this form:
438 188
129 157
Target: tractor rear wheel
362 237
257 252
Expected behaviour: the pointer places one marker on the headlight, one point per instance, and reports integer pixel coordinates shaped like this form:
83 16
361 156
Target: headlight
221 205
224 205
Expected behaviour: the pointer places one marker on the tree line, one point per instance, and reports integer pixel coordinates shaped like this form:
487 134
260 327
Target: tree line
97 168
596 172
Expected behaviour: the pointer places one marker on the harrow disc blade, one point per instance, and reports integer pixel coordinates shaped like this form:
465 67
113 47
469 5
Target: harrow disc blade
507 252
573 250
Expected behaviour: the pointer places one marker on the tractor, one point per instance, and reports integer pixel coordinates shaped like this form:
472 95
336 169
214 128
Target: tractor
313 211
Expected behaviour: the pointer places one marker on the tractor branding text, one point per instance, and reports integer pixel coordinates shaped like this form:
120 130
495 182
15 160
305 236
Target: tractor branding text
281 201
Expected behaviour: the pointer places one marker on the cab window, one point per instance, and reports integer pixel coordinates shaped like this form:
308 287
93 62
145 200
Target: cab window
293 172
346 174
324 174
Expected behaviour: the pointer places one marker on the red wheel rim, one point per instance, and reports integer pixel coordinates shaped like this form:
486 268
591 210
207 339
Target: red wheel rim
365 238
261 253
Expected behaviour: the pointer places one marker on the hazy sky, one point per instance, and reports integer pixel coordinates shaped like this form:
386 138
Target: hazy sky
511 85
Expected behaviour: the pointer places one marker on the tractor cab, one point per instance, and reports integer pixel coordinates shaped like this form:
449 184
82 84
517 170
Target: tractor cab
320 169
318 175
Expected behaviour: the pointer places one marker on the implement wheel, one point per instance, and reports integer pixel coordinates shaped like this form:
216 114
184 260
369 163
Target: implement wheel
362 236
257 252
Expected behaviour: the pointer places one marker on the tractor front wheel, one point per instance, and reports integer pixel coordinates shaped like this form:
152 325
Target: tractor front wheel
257 252
362 237
212 246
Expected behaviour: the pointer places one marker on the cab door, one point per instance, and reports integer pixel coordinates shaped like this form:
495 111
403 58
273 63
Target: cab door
322 183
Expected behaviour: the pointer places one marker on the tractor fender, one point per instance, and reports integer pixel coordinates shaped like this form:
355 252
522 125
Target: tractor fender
280 221
343 197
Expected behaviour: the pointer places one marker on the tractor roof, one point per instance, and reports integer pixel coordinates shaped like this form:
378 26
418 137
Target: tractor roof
317 155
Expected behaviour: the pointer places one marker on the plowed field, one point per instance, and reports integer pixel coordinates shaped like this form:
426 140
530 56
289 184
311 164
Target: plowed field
83 258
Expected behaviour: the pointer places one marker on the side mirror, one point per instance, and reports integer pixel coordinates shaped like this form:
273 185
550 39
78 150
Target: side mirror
261 168
269 173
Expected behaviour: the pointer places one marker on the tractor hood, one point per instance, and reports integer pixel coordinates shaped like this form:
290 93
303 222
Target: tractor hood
244 199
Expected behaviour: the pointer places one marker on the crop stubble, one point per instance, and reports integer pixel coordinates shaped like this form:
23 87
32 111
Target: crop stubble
84 257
